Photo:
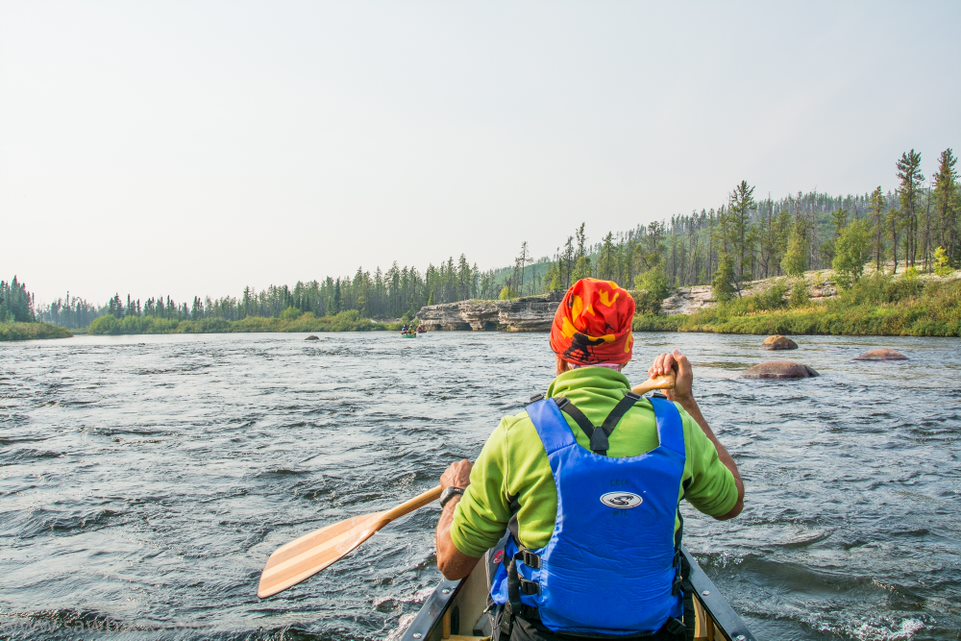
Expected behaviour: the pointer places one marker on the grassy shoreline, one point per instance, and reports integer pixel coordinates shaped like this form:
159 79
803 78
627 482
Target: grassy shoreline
876 306
350 321
31 331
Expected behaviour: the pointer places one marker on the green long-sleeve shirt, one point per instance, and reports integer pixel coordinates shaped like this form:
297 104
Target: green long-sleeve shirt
513 464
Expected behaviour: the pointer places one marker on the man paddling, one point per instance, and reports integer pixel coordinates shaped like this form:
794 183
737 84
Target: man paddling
587 481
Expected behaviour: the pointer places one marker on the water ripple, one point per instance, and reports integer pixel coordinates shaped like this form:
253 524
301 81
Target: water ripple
144 480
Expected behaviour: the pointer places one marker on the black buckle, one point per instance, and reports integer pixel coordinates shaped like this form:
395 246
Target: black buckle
675 628
529 588
537 397
678 573
599 442
530 559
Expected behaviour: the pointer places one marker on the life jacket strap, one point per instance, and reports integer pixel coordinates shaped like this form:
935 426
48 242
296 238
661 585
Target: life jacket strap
599 437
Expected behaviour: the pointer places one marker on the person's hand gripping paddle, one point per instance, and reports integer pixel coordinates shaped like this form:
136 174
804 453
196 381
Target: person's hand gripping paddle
302 558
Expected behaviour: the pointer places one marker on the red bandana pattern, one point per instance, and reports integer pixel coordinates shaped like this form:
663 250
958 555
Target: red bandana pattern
594 323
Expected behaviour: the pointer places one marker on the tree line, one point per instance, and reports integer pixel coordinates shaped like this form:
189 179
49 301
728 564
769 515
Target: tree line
915 227
16 303
400 291
747 238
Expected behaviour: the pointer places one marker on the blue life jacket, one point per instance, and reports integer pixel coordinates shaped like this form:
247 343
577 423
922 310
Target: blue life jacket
611 567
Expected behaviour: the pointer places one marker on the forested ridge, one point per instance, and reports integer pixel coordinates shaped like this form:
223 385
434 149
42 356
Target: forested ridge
915 227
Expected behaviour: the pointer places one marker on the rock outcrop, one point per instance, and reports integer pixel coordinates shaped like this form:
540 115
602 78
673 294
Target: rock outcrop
530 314
882 355
780 370
312 338
778 342
688 300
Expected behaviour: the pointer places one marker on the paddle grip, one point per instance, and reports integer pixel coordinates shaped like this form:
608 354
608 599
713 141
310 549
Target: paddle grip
665 381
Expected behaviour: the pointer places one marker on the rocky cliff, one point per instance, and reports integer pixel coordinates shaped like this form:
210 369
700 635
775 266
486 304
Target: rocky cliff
529 314
535 313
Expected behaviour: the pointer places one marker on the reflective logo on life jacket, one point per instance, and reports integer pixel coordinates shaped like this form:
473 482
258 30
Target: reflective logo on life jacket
621 500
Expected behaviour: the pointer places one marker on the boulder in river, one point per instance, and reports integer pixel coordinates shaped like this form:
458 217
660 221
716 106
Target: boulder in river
882 355
311 338
778 342
780 370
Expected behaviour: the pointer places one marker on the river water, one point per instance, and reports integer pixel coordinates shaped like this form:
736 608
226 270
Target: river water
145 480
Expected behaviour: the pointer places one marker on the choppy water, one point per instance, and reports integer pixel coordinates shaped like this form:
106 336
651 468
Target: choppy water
145 480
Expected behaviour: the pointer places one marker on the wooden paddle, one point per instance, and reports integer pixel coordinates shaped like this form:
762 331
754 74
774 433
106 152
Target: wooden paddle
304 557
664 381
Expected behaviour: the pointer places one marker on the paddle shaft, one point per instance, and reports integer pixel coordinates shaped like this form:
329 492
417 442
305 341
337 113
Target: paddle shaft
413 504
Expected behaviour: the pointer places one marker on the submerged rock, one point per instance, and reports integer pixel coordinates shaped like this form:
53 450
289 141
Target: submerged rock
311 338
780 370
778 342
882 355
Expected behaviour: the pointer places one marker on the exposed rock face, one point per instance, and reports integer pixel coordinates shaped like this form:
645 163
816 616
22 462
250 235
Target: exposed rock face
778 342
530 314
312 338
882 355
687 300
780 370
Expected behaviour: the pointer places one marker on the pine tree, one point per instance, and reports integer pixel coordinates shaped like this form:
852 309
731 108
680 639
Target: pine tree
607 259
945 192
740 204
910 177
877 220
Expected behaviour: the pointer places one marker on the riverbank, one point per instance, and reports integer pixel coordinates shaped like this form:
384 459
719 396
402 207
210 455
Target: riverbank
349 321
31 331
878 305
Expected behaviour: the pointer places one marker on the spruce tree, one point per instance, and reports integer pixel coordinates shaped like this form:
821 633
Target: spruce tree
910 179
740 204
723 285
945 191
877 220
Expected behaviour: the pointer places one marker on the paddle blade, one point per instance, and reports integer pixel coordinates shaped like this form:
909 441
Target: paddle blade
304 557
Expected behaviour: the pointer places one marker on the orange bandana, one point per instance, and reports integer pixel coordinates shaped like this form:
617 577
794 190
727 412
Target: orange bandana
594 323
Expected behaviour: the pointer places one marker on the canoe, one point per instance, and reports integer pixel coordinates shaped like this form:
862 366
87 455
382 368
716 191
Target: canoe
411 335
455 610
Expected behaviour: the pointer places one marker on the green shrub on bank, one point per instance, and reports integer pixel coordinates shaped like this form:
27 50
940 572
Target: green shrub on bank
349 321
31 331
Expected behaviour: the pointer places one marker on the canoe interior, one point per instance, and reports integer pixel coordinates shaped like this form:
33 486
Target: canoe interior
455 610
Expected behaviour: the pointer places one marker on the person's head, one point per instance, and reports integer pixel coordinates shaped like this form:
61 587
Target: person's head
593 325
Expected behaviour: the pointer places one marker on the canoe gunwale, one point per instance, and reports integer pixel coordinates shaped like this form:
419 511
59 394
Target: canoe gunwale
433 610
711 599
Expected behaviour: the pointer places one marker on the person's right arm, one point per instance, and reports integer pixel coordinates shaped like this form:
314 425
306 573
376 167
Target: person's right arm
472 524
683 394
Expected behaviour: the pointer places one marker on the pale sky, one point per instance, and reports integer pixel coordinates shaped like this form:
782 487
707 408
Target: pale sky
174 147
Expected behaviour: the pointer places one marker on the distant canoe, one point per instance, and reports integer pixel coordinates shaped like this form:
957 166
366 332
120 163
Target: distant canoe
408 335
